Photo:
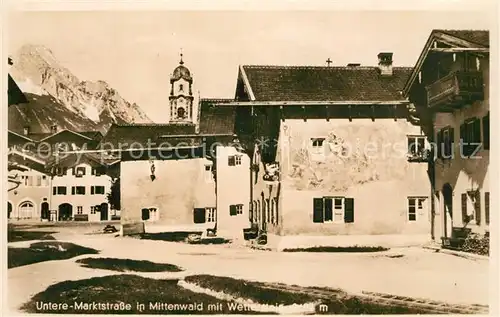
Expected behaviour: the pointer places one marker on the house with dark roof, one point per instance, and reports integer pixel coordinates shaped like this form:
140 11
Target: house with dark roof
333 155
449 91
46 165
183 174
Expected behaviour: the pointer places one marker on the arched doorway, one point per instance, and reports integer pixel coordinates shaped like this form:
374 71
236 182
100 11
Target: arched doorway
104 211
65 211
9 209
45 213
447 209
26 210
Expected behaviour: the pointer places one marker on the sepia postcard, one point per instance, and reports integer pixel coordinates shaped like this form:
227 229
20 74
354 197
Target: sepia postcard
250 158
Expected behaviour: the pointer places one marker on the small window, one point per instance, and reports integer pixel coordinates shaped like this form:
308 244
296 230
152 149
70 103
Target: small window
181 87
317 145
53 128
415 207
235 210
416 146
234 160
80 171
98 171
59 190
208 173
97 190
79 210
92 210
211 214
470 135
78 190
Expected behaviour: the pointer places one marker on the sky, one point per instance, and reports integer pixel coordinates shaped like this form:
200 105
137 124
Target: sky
136 51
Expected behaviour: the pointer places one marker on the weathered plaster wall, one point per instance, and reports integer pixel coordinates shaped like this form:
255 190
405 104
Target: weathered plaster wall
373 170
233 187
179 187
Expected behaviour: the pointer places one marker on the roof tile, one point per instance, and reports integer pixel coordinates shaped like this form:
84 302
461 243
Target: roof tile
308 83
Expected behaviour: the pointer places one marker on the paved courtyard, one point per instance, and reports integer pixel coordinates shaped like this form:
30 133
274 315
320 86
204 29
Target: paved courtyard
413 272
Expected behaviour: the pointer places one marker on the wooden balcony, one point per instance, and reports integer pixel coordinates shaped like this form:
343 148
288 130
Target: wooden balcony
455 90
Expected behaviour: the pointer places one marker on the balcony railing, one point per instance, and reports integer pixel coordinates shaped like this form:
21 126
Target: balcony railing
455 90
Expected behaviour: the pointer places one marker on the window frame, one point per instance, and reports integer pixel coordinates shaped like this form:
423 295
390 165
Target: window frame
419 206
210 214
74 190
317 145
336 217
415 138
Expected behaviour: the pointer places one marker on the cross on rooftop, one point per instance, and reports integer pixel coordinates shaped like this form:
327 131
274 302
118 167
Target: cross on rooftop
329 61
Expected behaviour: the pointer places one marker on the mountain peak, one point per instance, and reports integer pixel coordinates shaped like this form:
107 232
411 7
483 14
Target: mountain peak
38 72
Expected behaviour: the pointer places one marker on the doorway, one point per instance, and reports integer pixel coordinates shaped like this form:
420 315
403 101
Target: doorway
448 210
104 212
65 212
45 213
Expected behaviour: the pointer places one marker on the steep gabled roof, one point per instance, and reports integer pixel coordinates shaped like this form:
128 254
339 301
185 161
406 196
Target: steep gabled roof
65 131
455 38
481 37
135 135
15 95
311 83
216 120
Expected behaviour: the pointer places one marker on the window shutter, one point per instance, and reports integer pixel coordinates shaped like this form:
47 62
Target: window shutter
477 132
451 143
231 161
317 209
199 215
463 140
439 138
487 207
486 132
92 190
465 219
328 209
232 210
477 207
54 191
73 171
73 189
349 210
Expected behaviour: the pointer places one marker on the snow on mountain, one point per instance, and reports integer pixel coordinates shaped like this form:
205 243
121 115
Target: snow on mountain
58 97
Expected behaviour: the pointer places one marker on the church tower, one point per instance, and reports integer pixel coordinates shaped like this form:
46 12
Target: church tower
181 95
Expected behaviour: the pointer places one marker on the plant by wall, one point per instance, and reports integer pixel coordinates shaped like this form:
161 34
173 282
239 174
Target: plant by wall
114 194
477 244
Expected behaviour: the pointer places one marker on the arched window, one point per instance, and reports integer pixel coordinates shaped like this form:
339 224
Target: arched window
26 209
181 113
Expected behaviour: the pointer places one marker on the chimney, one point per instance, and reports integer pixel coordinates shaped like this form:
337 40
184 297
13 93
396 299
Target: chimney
26 130
385 63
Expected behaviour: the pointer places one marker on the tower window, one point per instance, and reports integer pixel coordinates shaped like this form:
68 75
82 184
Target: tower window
181 113
181 87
